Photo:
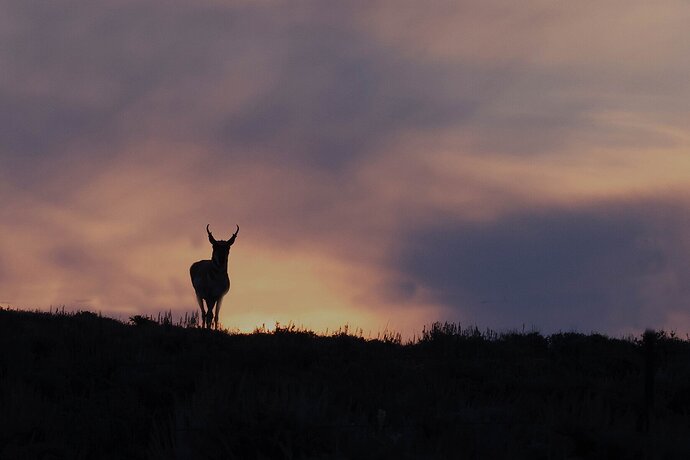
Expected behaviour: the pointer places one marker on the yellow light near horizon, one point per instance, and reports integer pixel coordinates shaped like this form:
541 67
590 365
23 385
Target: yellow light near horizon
308 290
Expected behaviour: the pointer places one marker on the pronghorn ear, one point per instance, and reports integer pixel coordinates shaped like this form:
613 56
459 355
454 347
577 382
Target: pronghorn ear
234 235
210 236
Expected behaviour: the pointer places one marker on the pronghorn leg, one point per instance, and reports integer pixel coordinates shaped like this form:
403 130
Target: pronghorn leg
203 312
209 313
215 317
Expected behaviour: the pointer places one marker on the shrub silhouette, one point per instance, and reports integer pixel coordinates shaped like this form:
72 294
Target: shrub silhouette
84 386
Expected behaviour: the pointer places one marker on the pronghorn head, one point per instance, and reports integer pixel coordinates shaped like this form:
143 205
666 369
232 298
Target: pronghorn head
220 247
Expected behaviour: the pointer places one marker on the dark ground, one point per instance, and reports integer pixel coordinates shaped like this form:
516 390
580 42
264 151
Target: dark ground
78 386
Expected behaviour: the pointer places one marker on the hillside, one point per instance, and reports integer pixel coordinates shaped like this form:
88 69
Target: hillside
80 386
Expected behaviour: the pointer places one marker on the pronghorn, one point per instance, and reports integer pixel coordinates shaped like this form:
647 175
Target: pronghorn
210 278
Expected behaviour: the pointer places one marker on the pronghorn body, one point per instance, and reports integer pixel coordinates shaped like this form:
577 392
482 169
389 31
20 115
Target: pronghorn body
210 279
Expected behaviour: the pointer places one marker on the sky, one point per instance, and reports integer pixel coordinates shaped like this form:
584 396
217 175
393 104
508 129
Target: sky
390 163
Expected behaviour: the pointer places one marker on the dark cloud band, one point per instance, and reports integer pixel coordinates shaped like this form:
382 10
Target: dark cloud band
602 267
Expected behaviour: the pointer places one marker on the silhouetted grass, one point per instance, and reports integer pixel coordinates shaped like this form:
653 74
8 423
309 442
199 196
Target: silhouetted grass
83 386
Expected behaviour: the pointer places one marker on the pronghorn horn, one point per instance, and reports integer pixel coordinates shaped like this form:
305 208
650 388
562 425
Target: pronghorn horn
210 235
234 235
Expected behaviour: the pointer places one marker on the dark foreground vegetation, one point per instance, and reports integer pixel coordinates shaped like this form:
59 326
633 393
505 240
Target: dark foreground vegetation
78 386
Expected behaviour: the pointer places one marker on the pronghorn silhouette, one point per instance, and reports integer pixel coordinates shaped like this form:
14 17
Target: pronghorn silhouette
210 278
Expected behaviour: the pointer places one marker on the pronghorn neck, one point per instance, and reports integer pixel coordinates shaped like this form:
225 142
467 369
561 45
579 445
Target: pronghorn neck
219 261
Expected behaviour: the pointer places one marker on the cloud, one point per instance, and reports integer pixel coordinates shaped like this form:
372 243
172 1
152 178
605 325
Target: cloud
3 271
289 86
331 132
608 267
337 97
321 87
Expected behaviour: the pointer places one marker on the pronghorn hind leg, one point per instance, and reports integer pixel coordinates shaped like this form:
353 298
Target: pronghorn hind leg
203 311
215 317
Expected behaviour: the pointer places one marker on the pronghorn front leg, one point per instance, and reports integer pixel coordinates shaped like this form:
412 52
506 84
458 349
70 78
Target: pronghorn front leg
208 320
